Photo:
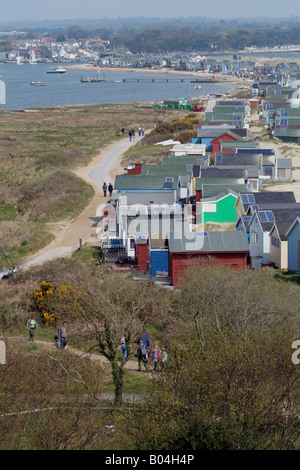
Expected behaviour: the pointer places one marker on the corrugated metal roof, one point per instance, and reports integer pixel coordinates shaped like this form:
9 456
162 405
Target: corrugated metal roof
282 228
272 197
217 172
166 170
284 163
143 182
239 144
286 132
147 198
239 159
211 243
214 182
221 195
211 190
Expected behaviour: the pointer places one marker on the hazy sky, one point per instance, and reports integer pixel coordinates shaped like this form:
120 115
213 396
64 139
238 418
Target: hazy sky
97 9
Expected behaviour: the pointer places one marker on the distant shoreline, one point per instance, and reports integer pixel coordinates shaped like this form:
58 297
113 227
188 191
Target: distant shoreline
163 71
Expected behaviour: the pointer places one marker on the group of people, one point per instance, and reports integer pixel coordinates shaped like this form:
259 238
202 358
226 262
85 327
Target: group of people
108 188
60 338
131 133
144 352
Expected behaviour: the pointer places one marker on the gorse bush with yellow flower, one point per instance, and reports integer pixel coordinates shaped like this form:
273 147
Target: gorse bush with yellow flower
51 301
41 297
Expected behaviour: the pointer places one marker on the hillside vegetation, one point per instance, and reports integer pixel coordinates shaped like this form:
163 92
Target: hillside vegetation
229 383
39 149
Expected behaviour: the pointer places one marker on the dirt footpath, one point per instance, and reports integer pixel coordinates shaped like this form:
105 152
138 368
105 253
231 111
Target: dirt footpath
67 234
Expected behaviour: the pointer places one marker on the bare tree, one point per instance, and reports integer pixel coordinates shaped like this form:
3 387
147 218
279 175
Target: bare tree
201 289
103 311
218 298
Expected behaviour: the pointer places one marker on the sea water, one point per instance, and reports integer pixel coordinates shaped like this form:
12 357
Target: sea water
67 89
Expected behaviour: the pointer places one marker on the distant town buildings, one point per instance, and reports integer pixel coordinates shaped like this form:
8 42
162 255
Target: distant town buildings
99 52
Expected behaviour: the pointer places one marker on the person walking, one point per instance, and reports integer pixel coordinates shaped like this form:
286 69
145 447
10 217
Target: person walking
142 356
62 335
130 135
133 134
155 354
122 130
140 131
143 131
164 358
110 189
124 347
31 326
145 339
104 187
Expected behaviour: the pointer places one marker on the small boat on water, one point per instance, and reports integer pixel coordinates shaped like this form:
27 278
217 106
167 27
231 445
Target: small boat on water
39 83
57 70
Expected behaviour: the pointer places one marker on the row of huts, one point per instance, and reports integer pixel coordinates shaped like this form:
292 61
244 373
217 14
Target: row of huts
280 106
205 203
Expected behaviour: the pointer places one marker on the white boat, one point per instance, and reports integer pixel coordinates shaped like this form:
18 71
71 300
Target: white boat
57 70
32 59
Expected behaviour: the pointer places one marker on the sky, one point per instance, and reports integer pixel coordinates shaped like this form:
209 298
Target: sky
73 9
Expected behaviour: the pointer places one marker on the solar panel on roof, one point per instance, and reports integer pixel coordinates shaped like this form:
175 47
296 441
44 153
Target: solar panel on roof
270 216
254 207
266 216
169 179
247 198
201 234
219 158
168 184
263 216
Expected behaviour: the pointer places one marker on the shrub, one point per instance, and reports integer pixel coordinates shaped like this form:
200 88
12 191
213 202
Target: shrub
186 136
